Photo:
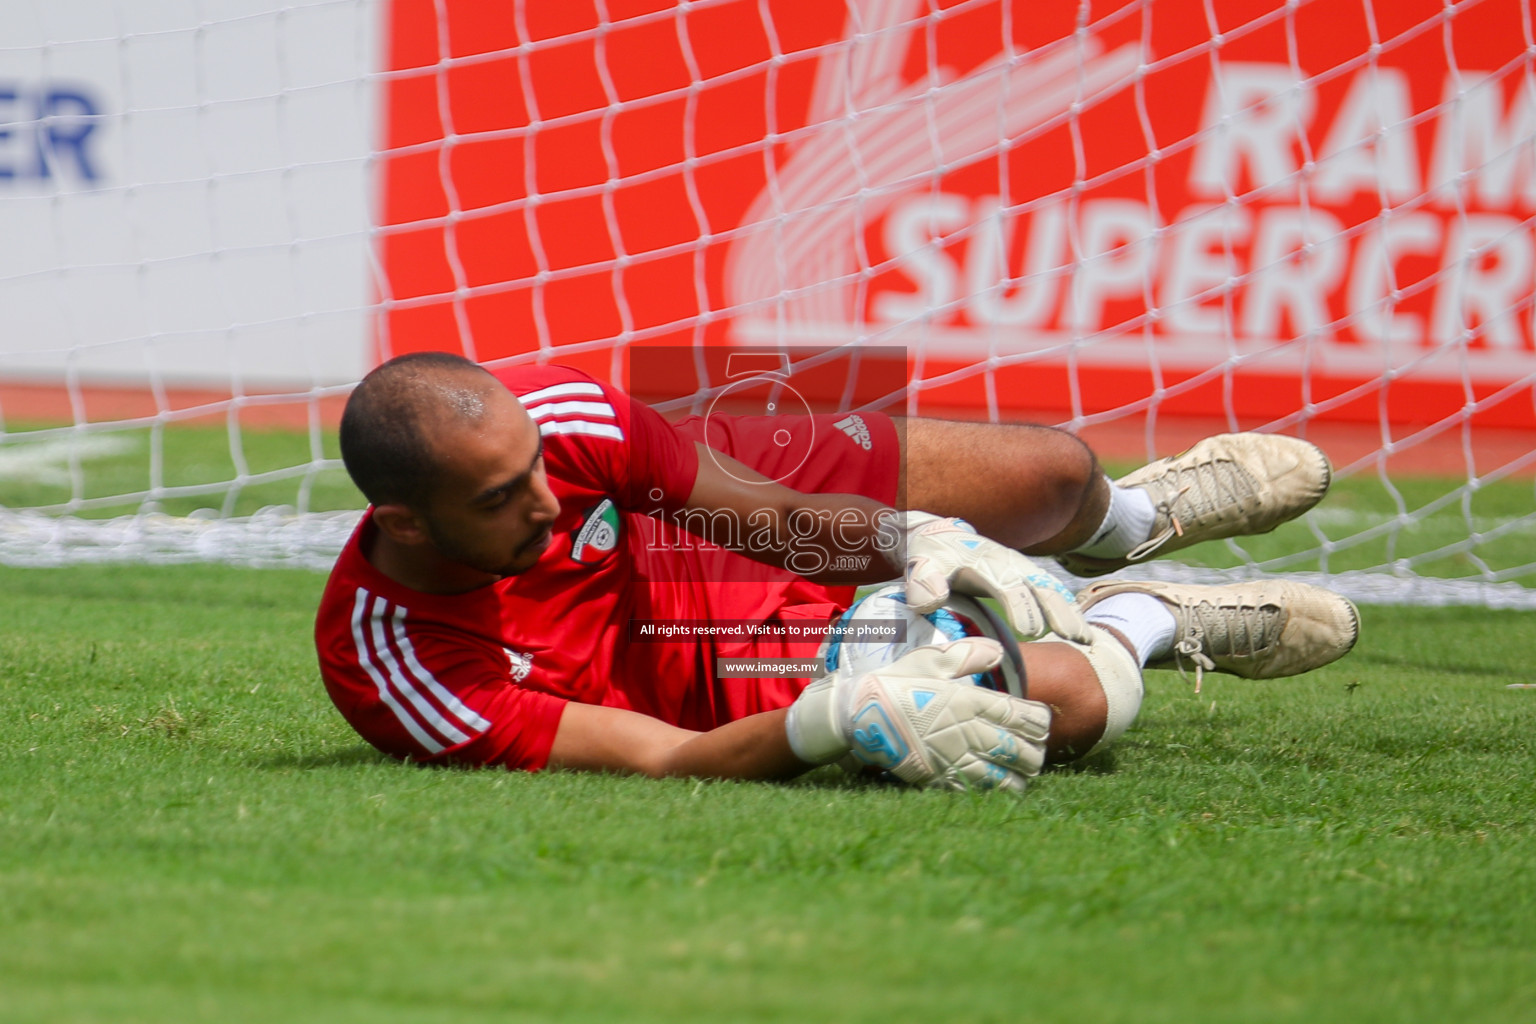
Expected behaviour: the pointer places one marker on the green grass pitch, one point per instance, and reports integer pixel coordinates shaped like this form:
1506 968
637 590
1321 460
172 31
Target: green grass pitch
188 832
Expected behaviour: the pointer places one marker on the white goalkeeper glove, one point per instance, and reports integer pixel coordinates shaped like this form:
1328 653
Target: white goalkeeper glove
921 719
947 554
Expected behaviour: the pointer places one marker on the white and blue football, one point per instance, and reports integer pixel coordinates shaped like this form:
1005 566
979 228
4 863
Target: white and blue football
881 627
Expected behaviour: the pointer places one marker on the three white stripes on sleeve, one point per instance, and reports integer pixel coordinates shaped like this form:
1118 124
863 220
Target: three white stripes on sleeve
577 408
385 652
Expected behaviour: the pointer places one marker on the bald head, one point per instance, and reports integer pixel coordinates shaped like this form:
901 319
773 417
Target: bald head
388 428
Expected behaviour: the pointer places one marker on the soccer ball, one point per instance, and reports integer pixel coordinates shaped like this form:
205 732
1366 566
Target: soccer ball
880 627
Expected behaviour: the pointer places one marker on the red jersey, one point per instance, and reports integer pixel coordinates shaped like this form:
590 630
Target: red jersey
483 677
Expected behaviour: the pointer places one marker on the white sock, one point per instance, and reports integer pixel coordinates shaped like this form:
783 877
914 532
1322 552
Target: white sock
1142 619
1127 523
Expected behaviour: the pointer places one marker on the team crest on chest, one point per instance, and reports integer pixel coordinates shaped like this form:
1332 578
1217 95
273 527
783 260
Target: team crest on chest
599 533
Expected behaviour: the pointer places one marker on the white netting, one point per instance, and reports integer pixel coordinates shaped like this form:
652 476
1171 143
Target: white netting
275 537
1143 221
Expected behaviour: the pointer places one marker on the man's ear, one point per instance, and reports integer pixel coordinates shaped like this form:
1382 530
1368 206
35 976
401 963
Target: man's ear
400 524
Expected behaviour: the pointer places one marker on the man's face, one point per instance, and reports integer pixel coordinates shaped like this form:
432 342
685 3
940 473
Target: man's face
492 509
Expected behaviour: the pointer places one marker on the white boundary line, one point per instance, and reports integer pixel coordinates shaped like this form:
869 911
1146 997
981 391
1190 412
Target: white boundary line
279 538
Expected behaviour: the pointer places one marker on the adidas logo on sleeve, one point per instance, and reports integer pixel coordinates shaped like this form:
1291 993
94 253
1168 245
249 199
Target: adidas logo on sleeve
854 426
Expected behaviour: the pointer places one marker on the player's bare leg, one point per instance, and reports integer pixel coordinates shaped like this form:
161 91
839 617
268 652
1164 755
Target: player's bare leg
1040 490
1061 676
1034 488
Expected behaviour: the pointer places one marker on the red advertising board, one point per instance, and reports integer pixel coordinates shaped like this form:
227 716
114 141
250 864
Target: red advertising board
1314 209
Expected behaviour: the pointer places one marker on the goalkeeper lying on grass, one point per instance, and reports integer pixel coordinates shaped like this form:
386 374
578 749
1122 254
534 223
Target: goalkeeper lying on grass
491 608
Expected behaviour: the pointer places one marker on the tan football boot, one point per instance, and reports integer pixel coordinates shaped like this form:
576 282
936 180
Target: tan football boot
1229 485
1260 630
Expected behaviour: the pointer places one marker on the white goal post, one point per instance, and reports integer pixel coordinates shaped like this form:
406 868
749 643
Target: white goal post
1142 221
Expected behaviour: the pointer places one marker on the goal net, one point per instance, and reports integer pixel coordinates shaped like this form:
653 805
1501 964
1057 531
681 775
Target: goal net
1142 221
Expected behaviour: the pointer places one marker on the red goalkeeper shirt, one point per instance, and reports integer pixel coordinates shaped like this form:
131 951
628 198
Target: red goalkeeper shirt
483 677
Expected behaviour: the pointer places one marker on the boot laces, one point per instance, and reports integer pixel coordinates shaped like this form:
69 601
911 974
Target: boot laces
1215 630
1190 647
1210 488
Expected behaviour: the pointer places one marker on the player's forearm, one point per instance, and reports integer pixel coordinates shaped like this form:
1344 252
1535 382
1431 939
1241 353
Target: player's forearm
614 740
750 748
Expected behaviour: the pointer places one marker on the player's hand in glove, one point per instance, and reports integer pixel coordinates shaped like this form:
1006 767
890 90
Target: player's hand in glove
921 719
946 554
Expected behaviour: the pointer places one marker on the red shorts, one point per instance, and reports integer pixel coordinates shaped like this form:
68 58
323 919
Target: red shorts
829 453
